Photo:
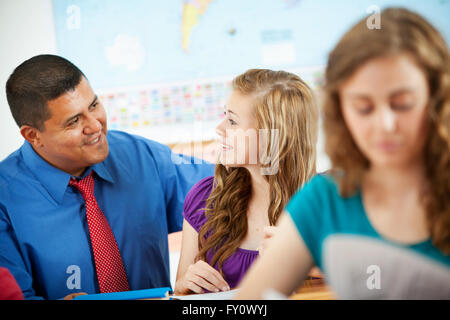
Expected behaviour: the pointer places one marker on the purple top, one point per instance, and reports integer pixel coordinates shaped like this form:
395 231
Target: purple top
235 267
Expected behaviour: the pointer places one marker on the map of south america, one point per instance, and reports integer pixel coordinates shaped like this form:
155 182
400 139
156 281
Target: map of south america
192 12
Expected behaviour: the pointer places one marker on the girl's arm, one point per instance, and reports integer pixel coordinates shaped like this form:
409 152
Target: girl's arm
283 267
195 276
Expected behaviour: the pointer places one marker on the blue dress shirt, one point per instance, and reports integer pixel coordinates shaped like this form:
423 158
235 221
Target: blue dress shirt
44 236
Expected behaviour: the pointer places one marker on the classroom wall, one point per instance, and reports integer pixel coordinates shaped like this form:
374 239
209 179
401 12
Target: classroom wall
26 29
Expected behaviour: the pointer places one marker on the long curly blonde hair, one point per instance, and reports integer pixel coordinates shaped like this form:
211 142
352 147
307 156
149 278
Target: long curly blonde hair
402 31
282 101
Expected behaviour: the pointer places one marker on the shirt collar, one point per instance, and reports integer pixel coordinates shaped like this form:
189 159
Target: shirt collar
54 180
101 170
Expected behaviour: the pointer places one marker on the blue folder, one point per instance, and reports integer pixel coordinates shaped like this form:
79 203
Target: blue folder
128 295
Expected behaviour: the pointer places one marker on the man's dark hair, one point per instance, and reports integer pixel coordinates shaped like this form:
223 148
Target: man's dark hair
37 81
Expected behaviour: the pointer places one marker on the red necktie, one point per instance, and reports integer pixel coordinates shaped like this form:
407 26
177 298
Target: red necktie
108 262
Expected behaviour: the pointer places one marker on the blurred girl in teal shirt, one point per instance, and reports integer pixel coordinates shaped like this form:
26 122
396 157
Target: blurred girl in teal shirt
378 224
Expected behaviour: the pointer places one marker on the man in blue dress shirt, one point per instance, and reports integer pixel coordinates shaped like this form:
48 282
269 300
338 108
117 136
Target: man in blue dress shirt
140 187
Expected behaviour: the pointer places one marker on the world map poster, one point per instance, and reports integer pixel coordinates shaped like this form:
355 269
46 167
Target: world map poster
163 69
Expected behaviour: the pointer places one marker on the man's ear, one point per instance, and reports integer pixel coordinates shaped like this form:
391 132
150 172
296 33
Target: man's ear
31 134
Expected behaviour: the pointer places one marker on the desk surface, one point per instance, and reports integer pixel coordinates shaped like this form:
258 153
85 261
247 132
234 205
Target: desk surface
314 289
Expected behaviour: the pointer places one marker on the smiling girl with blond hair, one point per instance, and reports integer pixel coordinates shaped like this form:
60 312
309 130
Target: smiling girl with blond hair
268 152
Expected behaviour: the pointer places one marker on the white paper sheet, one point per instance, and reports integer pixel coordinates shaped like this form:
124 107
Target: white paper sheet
222 295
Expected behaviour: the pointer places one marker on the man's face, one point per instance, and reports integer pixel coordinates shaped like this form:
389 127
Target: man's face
75 135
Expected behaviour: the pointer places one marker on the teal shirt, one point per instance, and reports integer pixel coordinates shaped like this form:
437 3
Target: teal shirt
320 214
